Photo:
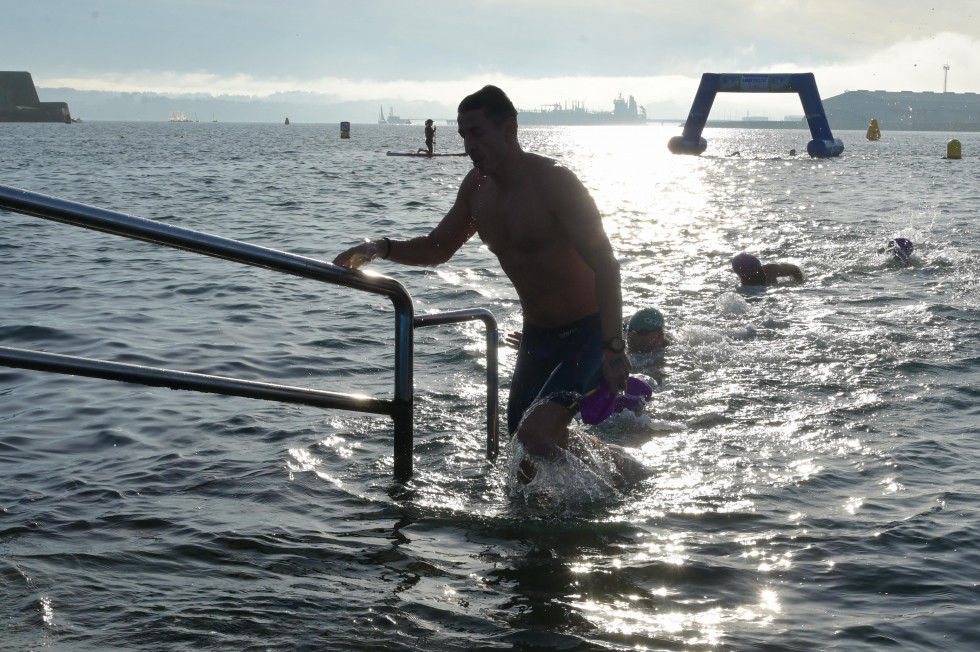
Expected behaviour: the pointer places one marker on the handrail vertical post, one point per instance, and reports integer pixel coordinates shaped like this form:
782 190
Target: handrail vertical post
403 404
493 446
493 336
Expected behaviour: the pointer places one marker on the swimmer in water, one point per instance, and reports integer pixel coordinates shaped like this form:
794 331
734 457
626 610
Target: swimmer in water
900 249
645 332
751 271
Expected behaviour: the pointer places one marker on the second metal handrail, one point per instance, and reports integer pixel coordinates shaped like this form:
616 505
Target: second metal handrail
492 378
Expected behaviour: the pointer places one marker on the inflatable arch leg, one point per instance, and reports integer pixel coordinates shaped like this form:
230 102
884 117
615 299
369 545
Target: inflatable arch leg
823 144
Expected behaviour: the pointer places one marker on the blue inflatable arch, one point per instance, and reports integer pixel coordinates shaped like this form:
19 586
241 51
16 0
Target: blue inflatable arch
823 144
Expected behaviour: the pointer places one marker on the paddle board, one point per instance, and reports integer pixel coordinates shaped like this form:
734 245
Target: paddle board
426 154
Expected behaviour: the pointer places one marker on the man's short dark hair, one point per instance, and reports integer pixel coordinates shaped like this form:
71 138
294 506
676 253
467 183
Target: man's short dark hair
494 102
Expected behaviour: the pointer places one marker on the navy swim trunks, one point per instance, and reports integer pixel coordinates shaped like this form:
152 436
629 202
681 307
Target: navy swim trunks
558 364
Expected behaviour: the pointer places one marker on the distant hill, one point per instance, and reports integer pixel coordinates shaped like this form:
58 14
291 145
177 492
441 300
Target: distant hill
298 107
904 110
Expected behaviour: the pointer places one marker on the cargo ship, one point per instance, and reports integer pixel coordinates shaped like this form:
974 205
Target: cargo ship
625 112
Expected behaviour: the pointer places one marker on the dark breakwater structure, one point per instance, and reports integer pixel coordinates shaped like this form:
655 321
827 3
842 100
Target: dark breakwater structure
19 101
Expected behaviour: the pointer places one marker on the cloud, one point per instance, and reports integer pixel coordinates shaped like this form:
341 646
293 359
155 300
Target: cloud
910 65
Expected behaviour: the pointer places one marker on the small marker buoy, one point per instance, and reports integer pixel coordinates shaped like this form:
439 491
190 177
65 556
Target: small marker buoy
874 131
954 149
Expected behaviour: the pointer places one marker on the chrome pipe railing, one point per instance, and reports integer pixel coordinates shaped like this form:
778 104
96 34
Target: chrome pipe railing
490 322
400 407
157 377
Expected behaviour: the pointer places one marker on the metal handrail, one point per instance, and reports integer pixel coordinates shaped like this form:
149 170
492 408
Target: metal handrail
400 407
490 322
158 377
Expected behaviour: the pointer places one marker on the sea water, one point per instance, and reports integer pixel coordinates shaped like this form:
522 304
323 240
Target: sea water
810 454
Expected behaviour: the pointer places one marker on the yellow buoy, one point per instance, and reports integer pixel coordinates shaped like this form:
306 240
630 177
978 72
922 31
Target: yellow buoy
874 133
954 149
345 130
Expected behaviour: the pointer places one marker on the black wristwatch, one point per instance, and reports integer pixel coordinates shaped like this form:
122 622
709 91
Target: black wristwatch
615 344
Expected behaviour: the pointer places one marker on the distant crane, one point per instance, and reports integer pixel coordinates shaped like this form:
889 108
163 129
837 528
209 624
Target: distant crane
945 72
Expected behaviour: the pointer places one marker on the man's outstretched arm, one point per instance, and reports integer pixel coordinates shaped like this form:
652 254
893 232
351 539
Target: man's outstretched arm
432 249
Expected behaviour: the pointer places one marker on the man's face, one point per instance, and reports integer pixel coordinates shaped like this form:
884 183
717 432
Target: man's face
641 340
484 142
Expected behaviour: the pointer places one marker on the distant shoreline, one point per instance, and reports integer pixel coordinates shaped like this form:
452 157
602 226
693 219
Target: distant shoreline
678 124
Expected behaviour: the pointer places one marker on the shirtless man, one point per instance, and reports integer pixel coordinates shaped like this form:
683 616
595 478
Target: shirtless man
544 227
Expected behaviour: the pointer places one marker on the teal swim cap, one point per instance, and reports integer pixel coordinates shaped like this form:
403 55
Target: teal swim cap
649 319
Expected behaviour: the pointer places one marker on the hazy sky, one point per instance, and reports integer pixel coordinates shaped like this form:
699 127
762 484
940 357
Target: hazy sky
539 51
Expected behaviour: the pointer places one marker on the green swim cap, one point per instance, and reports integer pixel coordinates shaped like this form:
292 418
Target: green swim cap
650 319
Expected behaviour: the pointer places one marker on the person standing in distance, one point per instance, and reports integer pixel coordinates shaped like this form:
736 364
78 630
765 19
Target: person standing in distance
430 136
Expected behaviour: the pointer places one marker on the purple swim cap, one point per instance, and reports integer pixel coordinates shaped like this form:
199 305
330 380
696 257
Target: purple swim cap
902 247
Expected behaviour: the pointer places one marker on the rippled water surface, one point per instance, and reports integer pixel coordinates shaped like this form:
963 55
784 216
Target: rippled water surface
811 450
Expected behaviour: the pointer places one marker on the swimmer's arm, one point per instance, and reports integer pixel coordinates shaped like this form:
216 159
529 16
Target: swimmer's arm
775 270
788 269
441 243
428 250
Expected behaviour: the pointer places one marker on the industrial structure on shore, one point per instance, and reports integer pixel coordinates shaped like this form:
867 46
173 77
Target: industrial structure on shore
625 112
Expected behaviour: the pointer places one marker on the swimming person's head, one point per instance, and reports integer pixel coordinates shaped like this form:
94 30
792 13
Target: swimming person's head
749 269
649 319
645 331
900 248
